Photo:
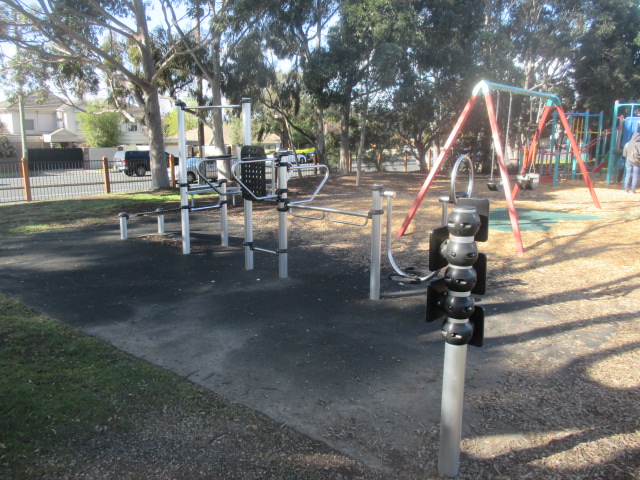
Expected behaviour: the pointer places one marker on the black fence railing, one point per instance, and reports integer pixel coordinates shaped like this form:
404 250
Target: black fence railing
34 181
64 179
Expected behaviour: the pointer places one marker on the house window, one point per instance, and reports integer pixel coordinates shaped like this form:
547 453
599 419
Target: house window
132 127
59 119
29 124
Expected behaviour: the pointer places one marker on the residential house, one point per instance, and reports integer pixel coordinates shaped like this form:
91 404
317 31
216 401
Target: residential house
54 123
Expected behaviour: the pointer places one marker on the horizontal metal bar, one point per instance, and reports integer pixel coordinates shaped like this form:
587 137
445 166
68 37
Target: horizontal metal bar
205 107
264 250
330 210
485 88
205 207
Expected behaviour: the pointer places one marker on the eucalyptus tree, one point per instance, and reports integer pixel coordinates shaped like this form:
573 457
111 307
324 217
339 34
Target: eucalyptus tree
607 63
294 29
363 57
80 39
443 55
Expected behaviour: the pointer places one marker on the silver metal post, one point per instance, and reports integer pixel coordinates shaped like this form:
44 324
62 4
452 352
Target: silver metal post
160 224
248 204
224 227
123 226
248 234
283 266
376 242
184 199
455 360
246 120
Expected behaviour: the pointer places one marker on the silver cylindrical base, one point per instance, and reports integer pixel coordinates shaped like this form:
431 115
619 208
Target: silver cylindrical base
455 359
248 234
376 242
123 228
224 225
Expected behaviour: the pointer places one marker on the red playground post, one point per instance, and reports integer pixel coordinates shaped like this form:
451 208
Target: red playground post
485 88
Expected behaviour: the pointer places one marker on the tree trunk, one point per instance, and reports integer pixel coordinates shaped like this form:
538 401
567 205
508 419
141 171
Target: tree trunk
216 94
153 119
319 112
345 152
363 134
152 113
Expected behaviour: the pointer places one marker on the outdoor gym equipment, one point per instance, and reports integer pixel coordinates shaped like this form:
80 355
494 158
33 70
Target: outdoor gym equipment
220 187
450 298
485 88
621 131
454 198
249 173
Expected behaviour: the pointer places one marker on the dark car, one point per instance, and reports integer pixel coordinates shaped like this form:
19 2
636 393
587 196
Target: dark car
135 162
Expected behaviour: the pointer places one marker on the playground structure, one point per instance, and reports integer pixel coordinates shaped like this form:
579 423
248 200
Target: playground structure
485 89
559 160
621 130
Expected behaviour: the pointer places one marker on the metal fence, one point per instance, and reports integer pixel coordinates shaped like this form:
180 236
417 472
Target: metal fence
20 181
23 181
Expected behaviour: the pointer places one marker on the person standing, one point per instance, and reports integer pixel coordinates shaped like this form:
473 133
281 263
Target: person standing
631 152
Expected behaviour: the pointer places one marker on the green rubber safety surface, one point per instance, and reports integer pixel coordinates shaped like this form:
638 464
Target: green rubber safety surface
535 220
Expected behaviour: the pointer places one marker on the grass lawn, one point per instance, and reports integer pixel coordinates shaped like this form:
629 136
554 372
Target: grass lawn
34 217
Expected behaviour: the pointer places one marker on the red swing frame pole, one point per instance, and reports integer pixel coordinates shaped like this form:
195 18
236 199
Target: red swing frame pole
576 151
511 207
437 164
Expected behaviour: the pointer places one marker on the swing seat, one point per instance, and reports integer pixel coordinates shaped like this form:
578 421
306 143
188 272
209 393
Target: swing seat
528 181
495 186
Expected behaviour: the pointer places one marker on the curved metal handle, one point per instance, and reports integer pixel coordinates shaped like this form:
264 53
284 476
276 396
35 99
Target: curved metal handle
236 177
454 173
320 185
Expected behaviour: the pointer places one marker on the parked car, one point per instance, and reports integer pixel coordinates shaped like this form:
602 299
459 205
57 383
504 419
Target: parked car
135 162
207 168
295 158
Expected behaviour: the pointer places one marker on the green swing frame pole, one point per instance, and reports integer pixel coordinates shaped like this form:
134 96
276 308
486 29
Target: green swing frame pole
612 146
599 147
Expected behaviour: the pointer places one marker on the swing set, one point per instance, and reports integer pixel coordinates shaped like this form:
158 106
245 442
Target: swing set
485 89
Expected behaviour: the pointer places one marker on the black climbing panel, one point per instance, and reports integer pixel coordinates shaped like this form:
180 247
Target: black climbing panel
253 174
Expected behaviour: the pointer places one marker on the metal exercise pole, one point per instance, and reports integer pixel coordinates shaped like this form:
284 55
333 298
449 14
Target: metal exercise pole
184 186
160 222
376 242
123 225
283 266
461 252
248 204
224 226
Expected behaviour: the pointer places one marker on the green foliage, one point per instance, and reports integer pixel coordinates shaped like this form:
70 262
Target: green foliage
170 122
6 149
608 61
101 129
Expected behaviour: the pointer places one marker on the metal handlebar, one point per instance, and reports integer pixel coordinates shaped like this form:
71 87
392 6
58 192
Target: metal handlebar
454 173
236 177
320 185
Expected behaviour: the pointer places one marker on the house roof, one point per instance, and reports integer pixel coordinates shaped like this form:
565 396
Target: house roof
61 135
53 103
33 102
